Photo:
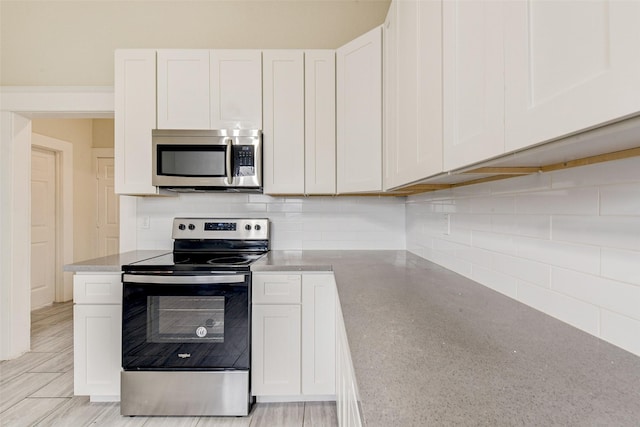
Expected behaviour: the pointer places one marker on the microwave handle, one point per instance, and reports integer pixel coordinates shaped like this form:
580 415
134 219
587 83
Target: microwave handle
229 161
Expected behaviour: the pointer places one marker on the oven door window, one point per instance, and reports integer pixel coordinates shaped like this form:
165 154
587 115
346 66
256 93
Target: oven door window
184 319
192 160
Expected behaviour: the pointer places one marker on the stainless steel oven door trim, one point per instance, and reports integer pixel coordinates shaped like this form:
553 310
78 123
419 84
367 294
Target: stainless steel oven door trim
195 280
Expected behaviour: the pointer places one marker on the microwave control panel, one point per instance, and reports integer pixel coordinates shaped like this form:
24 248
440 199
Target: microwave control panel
244 160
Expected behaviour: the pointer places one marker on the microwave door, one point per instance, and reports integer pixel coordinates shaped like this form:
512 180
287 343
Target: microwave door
192 165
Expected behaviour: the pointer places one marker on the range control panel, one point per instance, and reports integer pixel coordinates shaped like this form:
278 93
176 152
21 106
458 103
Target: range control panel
221 228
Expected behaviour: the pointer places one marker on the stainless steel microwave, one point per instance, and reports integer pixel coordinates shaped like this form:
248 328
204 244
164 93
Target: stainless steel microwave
227 159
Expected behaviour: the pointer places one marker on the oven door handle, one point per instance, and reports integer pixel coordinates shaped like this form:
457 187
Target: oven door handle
195 280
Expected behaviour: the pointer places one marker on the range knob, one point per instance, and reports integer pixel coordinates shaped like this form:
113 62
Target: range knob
257 227
192 227
247 227
182 227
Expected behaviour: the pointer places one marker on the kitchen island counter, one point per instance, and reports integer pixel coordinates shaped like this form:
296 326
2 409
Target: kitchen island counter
431 347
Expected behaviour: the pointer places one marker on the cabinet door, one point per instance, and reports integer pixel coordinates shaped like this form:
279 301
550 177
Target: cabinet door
318 334
283 134
390 98
135 116
97 331
183 89
569 66
359 114
473 77
320 122
275 346
236 89
415 150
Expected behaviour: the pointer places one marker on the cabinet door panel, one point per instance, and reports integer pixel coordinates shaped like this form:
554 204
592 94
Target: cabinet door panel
359 113
135 116
473 76
236 89
318 334
569 66
97 331
183 89
283 136
275 363
320 122
415 92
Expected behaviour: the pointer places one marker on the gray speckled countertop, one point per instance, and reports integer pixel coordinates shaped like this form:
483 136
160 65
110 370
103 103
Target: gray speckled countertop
112 262
433 348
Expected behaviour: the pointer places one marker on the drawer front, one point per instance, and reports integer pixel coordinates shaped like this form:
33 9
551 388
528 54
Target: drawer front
103 288
276 288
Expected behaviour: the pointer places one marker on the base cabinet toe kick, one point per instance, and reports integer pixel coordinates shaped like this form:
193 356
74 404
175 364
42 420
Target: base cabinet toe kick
299 350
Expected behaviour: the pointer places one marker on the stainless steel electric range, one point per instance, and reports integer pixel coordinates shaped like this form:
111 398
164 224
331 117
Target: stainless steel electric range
186 321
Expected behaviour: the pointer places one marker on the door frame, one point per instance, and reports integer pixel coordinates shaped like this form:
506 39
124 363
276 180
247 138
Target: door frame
18 105
63 151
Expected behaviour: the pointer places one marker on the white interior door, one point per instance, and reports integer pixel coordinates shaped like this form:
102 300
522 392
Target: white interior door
108 209
43 227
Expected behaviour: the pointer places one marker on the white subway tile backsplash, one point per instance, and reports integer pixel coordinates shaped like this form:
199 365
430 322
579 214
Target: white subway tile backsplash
620 171
621 265
570 201
499 205
527 183
616 296
609 231
582 224
621 331
573 256
527 270
496 242
620 199
577 313
499 282
297 223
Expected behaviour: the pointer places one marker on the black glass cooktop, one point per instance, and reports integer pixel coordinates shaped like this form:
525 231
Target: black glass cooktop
196 261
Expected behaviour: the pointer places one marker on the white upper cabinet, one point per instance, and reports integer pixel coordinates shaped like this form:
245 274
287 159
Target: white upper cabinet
320 121
570 65
236 89
413 91
183 89
473 77
135 116
209 89
283 133
359 114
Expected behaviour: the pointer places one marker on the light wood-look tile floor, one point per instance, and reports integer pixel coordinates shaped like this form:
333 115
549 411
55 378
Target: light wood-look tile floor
36 389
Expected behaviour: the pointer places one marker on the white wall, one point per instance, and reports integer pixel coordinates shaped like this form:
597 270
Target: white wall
566 243
67 43
297 223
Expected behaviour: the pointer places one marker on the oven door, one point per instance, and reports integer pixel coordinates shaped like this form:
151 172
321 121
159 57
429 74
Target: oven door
186 322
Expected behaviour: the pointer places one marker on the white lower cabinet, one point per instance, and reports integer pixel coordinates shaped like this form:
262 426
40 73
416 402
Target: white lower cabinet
347 397
293 336
275 367
97 331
